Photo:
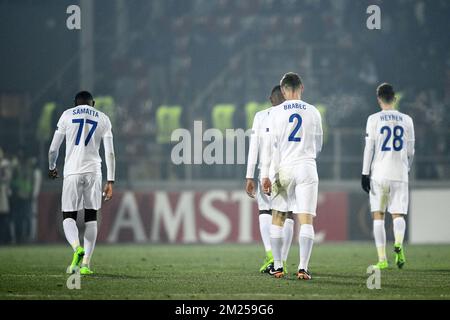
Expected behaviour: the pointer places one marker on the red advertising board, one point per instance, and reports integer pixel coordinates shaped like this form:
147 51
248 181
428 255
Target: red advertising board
214 216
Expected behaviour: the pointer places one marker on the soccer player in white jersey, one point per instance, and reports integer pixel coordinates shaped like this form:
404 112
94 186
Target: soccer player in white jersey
388 156
295 131
83 127
264 202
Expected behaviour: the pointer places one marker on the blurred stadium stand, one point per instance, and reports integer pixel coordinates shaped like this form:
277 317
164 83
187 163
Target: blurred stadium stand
197 54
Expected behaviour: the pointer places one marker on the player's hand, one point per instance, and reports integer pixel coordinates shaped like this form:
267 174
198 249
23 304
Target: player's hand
108 191
365 183
267 186
53 174
250 188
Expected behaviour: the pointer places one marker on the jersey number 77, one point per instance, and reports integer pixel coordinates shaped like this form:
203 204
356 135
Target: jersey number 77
80 130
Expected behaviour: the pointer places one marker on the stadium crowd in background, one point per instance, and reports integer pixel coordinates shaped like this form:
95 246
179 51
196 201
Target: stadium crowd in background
20 181
246 45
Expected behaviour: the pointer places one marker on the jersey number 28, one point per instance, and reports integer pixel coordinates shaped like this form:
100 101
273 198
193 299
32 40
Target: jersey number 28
80 130
397 142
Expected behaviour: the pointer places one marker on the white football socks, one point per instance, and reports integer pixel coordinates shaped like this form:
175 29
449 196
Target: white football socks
265 221
306 241
71 232
288 232
399 230
379 233
276 240
90 236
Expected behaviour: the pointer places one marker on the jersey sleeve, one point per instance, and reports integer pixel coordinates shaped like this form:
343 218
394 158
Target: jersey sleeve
108 128
253 148
410 143
108 144
370 129
411 134
57 140
318 133
369 148
61 127
110 158
269 142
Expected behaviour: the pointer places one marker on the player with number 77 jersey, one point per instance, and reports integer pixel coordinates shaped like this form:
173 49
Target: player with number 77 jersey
84 128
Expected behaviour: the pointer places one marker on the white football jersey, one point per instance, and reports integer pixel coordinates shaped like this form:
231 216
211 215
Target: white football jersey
389 146
295 130
84 128
259 129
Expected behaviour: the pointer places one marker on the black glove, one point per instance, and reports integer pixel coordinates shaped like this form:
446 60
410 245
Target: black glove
365 183
53 174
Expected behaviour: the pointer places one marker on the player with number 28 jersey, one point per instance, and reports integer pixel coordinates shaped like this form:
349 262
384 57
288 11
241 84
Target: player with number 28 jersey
388 156
390 137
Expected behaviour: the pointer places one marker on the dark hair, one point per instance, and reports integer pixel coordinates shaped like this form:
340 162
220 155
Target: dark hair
83 97
276 96
291 80
386 93
276 90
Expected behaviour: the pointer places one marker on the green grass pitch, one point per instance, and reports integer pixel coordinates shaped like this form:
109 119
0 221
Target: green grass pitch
220 272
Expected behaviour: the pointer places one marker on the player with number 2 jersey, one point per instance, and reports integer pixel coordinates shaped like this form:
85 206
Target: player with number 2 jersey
295 133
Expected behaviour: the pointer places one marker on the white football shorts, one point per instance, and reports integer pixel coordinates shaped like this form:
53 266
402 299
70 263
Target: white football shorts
264 201
279 199
82 191
390 195
299 187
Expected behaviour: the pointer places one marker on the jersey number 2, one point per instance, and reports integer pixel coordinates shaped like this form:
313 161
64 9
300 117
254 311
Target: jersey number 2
292 136
397 144
80 130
